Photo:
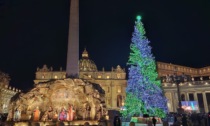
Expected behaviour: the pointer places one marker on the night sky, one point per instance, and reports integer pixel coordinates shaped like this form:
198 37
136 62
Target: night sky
35 32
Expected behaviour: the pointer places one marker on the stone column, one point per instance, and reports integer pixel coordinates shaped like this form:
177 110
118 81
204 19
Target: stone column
187 97
195 96
196 99
174 102
171 101
112 94
205 102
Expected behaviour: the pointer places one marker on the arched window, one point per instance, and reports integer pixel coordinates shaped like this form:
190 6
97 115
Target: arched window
119 100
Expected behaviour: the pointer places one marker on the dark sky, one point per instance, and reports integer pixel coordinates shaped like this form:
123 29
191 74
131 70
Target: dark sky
34 32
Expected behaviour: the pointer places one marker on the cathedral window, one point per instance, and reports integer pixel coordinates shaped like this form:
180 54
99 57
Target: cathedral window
119 101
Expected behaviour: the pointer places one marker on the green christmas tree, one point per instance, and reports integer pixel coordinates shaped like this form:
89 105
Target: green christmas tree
144 94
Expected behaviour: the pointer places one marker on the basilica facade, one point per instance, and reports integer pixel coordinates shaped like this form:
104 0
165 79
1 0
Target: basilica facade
196 88
113 82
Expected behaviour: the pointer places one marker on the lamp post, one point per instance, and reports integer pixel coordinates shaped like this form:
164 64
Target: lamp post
178 79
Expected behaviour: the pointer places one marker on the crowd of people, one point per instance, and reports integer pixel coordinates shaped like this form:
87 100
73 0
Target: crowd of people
193 119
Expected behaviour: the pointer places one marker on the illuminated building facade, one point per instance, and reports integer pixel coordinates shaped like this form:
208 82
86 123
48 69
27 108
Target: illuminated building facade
197 89
114 82
6 92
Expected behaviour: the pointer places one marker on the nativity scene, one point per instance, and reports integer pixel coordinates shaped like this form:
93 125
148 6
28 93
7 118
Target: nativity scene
59 100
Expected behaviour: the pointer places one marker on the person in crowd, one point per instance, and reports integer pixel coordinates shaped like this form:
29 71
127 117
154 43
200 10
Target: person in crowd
154 120
117 121
184 120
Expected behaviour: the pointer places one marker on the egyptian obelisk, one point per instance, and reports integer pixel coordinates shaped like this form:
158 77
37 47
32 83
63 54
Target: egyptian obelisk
72 67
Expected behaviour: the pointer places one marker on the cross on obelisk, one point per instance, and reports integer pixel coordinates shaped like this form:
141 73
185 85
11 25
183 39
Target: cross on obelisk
72 66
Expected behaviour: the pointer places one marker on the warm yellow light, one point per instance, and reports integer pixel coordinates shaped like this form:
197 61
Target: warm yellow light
107 117
118 76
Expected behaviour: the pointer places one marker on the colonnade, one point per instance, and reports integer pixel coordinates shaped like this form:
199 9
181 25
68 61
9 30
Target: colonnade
173 99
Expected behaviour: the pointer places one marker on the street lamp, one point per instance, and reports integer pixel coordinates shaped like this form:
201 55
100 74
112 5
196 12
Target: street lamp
177 79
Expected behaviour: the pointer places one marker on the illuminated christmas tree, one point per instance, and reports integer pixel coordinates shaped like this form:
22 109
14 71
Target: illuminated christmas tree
144 94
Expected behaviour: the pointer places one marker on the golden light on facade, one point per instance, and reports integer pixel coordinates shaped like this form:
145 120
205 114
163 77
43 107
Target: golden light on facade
107 117
22 124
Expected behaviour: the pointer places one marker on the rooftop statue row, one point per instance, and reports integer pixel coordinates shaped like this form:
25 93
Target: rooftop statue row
46 69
